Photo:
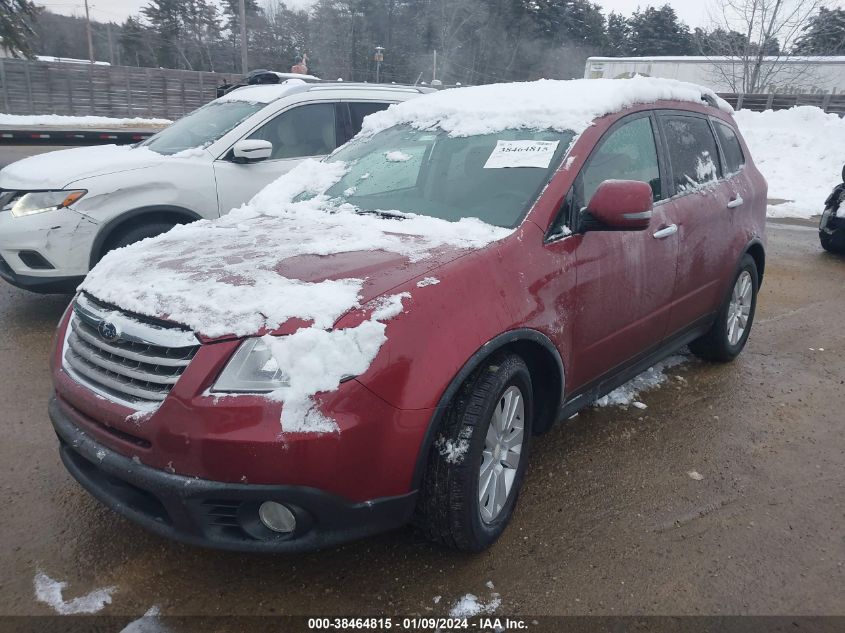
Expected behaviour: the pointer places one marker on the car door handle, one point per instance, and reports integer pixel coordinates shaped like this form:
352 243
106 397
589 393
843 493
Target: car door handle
666 231
735 202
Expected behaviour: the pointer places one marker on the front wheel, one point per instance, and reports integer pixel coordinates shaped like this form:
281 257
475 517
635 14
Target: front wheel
729 333
477 463
831 244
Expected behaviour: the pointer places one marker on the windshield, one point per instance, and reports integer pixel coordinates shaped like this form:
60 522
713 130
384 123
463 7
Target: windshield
201 127
492 177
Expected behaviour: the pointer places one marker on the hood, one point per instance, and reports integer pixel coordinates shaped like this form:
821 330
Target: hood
56 170
242 277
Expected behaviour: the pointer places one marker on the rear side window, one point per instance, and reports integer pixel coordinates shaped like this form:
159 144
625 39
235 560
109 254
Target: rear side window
734 158
627 153
361 109
692 152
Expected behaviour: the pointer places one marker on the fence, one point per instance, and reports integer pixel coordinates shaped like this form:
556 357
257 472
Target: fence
834 103
35 87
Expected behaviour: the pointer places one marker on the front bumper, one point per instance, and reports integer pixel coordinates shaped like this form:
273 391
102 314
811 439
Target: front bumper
831 223
216 514
45 285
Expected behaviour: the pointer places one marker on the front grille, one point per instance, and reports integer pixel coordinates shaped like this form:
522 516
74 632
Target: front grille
137 364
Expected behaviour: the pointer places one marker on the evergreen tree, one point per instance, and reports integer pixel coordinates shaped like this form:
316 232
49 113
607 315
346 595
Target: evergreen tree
16 32
658 32
824 34
617 35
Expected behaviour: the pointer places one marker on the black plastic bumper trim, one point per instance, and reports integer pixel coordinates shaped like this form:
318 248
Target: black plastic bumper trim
216 514
44 285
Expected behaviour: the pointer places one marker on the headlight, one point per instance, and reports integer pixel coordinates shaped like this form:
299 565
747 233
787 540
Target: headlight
40 201
252 368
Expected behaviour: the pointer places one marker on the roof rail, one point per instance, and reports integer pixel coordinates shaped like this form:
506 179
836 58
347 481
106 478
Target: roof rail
709 99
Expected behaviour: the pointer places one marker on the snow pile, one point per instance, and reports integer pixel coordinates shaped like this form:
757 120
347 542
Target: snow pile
470 605
545 104
799 151
628 393
49 591
78 121
227 276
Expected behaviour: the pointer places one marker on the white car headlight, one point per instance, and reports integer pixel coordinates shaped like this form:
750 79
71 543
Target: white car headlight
41 201
252 369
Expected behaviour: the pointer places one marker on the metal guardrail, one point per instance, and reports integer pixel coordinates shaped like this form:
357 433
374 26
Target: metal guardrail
834 103
58 136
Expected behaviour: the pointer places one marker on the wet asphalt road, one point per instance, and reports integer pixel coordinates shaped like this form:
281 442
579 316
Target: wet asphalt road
609 521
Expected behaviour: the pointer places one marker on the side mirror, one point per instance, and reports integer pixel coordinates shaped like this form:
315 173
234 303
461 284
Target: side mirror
621 205
251 151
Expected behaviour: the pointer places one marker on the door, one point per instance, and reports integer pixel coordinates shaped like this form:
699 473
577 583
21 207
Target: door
701 208
309 130
625 279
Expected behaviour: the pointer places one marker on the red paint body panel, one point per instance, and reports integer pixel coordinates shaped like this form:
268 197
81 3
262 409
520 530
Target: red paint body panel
599 297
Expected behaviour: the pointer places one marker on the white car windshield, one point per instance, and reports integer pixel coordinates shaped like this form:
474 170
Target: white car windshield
492 177
201 127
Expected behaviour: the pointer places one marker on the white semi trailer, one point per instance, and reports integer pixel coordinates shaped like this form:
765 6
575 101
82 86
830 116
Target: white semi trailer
794 75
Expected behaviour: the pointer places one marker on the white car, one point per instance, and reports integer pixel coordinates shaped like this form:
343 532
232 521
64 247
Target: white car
60 212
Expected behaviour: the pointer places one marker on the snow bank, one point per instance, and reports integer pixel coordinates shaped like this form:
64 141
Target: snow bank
49 591
78 121
544 104
799 151
227 276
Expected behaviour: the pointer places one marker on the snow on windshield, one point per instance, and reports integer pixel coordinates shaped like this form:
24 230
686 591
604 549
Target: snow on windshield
545 104
226 276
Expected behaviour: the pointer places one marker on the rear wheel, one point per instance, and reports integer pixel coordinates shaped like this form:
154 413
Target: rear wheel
730 331
477 462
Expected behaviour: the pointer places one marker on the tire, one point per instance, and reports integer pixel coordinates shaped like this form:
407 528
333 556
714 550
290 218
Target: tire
831 244
450 510
720 344
136 234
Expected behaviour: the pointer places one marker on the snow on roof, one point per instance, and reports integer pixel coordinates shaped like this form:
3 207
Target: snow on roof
545 104
263 93
697 59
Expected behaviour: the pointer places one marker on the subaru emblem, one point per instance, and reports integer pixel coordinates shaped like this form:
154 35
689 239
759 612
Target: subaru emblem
108 331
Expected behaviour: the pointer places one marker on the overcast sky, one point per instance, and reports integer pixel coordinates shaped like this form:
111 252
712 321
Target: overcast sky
693 12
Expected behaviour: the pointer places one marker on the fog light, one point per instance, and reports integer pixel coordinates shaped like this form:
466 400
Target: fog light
276 517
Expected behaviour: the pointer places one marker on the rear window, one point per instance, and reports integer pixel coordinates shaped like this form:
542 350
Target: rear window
734 158
692 152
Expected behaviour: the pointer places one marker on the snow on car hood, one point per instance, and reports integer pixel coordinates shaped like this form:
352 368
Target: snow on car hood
56 170
276 261
546 104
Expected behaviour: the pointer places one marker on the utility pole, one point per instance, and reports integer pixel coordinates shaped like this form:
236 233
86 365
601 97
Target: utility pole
111 44
434 68
244 64
88 31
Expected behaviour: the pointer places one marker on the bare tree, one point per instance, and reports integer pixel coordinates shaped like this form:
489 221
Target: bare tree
751 42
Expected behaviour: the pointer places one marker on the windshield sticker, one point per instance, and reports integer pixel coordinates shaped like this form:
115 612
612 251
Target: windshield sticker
522 154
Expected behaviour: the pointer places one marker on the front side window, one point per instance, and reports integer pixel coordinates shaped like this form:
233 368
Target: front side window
627 153
692 152
734 158
306 130
201 127
492 177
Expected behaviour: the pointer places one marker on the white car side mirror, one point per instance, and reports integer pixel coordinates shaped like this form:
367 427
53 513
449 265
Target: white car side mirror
251 150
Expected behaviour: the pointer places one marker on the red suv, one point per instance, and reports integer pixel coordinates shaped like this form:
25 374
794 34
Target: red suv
378 338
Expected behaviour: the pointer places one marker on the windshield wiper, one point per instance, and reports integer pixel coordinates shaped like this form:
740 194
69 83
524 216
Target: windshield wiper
390 215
